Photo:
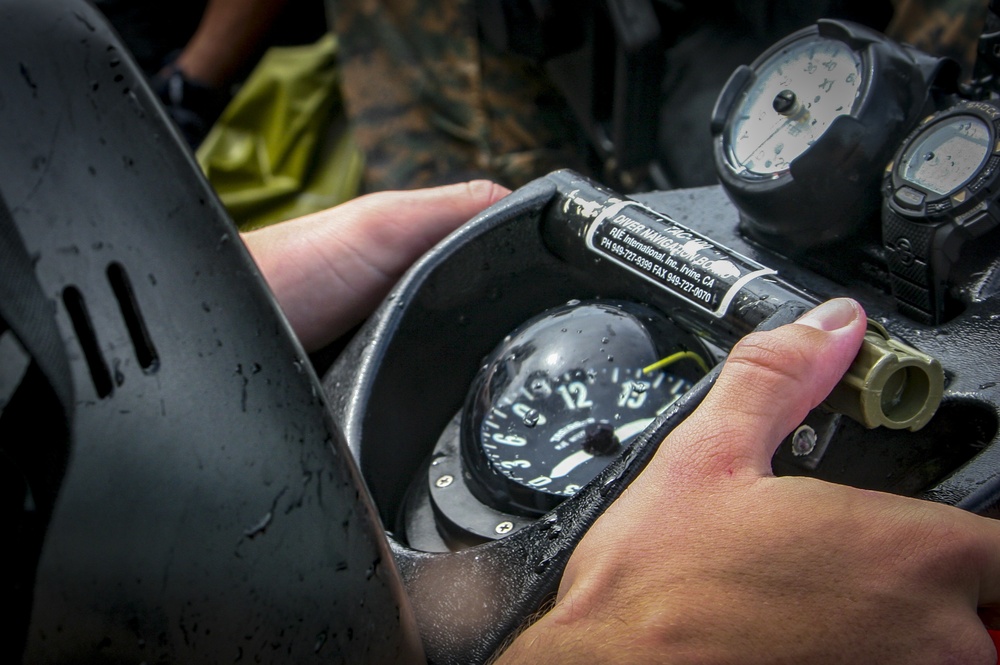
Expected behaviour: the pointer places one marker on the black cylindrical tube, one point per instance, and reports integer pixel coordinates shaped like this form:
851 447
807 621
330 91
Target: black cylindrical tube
693 276
724 295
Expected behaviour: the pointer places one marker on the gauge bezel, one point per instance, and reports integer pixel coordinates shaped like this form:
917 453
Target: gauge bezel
931 207
738 97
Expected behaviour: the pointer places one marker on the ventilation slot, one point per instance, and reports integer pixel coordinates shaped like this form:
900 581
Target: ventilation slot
145 352
77 310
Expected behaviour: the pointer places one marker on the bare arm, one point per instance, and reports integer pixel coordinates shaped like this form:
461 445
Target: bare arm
229 33
330 269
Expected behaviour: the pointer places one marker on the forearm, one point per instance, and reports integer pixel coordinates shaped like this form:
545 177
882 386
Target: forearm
329 270
229 33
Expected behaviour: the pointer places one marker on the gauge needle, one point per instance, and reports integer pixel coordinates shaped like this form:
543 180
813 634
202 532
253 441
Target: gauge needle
780 126
623 434
569 463
628 430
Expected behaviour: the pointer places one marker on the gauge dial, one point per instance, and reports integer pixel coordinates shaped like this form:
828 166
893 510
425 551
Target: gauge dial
563 395
797 93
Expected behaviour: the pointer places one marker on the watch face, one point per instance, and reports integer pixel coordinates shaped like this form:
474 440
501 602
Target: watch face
795 95
947 155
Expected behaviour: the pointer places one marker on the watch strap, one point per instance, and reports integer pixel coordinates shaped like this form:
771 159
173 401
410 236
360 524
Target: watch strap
917 275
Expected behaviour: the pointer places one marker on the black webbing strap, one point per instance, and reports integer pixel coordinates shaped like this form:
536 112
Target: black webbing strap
34 429
28 313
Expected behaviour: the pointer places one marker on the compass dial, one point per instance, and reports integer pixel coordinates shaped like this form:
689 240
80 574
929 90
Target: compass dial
565 394
574 422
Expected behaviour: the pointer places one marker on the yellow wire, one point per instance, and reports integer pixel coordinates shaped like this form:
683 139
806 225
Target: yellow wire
675 357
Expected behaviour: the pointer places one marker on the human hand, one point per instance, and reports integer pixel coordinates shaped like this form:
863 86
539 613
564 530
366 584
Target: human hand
709 558
330 269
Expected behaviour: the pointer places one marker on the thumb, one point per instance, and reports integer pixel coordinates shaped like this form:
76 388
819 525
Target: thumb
769 382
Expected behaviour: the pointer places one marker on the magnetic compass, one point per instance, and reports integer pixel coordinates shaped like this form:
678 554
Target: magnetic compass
940 193
554 404
803 134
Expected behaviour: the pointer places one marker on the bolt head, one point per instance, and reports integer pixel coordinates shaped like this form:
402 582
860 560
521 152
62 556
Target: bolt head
504 527
804 441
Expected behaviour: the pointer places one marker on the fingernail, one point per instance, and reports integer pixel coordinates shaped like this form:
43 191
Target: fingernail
831 315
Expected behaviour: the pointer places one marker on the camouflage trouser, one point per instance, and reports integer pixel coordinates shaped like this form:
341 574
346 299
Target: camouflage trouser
941 27
430 103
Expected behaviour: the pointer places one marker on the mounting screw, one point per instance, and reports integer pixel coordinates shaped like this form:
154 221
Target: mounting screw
803 441
444 481
504 527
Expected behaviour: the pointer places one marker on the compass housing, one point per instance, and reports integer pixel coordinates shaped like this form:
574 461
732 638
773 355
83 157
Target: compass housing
563 395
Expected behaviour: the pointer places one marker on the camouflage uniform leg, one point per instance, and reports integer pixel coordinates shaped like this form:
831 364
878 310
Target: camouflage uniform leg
941 27
429 103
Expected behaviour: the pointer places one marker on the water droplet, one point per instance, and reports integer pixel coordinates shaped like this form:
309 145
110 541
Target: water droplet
260 527
639 387
573 303
531 417
605 340
988 384
609 485
373 569
611 359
